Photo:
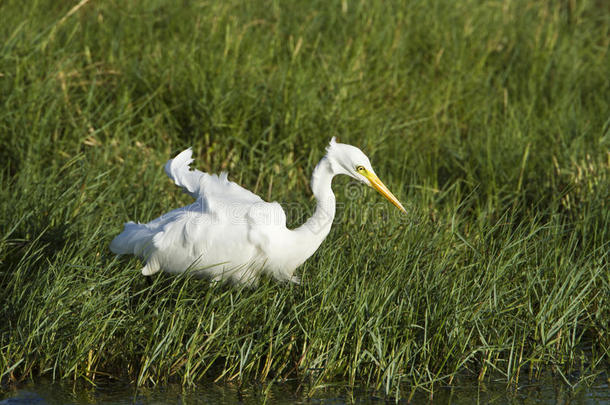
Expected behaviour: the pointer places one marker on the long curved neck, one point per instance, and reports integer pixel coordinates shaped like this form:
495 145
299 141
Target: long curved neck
311 234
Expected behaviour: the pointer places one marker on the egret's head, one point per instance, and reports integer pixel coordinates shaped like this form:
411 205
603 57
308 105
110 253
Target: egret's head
349 160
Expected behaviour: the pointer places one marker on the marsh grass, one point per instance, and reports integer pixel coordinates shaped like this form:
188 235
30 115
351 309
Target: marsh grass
490 121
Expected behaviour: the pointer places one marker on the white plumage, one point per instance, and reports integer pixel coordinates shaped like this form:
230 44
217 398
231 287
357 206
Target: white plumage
230 232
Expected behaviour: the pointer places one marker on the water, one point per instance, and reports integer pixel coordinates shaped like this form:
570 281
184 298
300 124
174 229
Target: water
549 391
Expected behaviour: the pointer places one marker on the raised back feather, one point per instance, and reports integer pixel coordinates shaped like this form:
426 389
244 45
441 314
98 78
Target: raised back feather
215 193
179 171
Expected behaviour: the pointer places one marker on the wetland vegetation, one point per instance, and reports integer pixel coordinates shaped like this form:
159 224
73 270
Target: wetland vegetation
489 120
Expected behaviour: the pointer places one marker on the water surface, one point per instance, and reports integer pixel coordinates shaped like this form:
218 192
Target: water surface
548 391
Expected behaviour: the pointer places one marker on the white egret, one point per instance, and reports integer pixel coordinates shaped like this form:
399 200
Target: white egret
231 233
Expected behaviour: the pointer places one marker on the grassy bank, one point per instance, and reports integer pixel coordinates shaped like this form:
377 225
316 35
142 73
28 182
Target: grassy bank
490 120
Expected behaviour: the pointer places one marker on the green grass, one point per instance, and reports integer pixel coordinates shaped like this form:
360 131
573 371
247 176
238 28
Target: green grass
490 120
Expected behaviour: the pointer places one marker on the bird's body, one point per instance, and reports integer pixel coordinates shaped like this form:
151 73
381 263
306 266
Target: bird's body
230 233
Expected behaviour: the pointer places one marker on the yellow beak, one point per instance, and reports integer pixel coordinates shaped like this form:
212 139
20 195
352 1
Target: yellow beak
383 190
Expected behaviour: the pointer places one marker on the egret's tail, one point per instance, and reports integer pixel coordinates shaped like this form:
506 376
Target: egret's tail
133 240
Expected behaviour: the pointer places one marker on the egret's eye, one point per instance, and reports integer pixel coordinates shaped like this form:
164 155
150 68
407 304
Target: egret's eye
360 169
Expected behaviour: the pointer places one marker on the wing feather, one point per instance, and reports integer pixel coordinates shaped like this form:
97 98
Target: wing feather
265 220
178 170
216 194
